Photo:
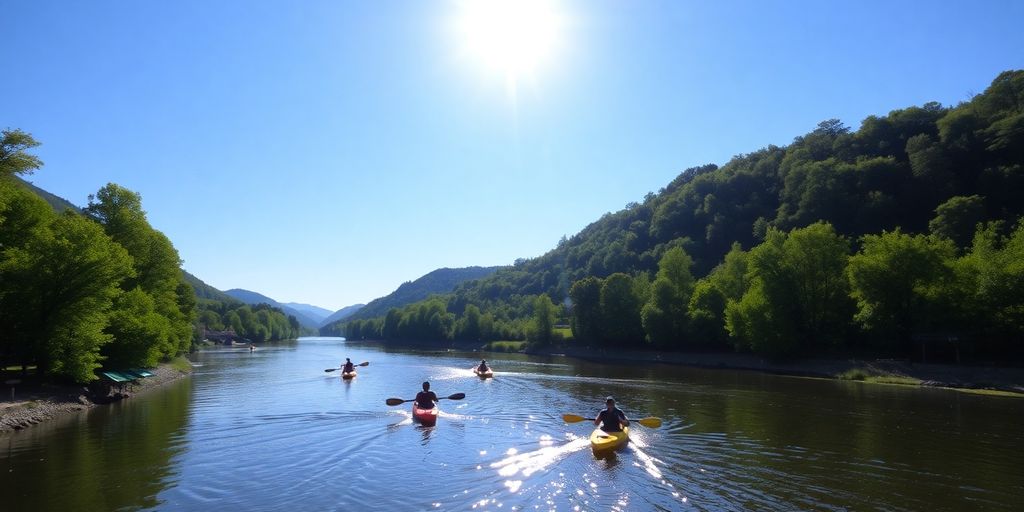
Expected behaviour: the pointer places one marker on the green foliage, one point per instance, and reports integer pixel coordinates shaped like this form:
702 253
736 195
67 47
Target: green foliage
468 327
586 318
994 269
258 323
74 292
57 287
543 325
897 280
620 311
664 316
707 315
924 167
142 333
957 219
157 274
439 281
798 298
14 158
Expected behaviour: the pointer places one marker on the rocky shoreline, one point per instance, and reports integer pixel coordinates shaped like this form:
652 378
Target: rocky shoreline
33 404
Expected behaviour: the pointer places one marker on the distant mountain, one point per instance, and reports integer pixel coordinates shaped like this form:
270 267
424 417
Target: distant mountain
315 312
342 314
205 291
58 203
251 297
442 280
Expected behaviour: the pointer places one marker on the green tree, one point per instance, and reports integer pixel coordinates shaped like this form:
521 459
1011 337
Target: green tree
764 319
58 289
958 218
620 311
895 279
543 325
707 315
157 271
586 310
140 330
468 326
14 156
211 320
664 316
815 259
995 270
798 299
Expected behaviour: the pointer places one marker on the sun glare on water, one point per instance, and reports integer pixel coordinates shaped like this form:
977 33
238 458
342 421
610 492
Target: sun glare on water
514 38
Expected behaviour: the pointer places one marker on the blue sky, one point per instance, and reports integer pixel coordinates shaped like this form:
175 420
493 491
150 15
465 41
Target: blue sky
325 152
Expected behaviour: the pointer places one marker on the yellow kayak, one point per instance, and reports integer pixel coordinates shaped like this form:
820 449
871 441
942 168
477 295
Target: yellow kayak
601 441
349 375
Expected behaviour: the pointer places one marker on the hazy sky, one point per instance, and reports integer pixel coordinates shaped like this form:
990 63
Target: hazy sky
326 151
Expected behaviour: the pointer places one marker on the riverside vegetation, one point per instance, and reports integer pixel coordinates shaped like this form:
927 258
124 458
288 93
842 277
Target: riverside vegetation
83 290
902 235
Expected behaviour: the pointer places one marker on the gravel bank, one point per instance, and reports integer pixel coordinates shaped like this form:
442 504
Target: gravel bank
33 404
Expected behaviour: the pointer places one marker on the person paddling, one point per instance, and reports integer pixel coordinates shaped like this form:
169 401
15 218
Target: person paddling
348 367
426 399
611 417
483 367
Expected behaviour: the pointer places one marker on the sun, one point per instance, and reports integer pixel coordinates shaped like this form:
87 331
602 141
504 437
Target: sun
512 37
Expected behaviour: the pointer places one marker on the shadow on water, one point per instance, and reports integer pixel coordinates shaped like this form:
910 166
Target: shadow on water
109 458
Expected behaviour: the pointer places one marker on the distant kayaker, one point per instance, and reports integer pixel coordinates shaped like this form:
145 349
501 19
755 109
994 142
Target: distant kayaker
483 367
426 399
611 417
348 367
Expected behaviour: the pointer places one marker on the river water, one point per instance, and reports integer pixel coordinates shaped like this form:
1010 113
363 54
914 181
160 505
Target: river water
270 430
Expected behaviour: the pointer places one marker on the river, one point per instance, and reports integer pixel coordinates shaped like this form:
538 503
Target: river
270 430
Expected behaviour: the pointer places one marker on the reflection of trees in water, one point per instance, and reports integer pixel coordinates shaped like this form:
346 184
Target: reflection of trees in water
121 457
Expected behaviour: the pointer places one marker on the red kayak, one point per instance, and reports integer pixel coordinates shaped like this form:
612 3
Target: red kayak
427 417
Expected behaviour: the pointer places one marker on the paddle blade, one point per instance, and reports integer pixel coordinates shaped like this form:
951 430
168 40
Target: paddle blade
396 401
332 369
572 418
364 363
456 396
650 422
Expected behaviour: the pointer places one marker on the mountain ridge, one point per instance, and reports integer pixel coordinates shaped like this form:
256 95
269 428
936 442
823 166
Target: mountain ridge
442 280
252 298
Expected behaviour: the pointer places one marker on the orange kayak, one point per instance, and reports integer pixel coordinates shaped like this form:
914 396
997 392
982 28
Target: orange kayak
427 417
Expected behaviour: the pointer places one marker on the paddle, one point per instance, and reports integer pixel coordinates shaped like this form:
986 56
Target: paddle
364 363
650 422
399 401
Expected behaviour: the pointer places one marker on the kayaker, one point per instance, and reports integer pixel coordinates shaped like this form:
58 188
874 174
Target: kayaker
483 367
426 399
348 367
612 418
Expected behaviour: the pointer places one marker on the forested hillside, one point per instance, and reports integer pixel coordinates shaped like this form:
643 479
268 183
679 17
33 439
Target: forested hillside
342 314
442 280
252 298
205 291
926 196
91 288
315 313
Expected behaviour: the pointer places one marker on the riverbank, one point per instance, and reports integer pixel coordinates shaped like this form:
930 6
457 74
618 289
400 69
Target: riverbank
35 403
1008 381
